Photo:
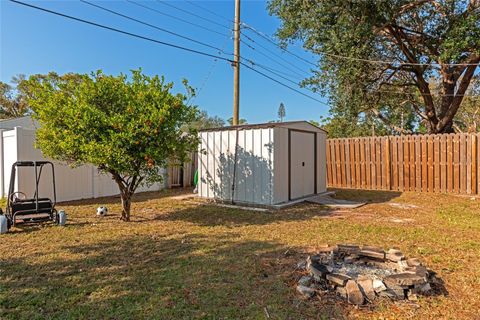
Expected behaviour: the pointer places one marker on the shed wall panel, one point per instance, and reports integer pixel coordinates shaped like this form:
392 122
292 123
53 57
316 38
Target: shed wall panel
321 162
267 155
202 165
252 163
280 165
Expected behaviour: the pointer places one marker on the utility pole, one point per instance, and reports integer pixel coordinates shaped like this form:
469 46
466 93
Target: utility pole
236 64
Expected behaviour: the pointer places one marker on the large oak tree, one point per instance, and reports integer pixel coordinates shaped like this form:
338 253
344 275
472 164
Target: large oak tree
414 44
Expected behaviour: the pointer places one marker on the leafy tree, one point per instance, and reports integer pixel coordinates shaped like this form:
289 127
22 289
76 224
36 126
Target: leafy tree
468 117
412 42
129 128
281 111
360 125
240 121
12 98
205 121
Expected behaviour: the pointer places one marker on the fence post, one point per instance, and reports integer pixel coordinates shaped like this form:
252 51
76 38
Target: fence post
388 164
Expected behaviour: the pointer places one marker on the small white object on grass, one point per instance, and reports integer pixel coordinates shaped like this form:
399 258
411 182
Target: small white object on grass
102 211
62 218
3 224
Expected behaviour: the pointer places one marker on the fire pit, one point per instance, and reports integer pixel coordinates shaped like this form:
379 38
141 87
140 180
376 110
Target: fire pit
360 274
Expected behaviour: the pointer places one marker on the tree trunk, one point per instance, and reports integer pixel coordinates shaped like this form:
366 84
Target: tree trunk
126 204
448 127
127 188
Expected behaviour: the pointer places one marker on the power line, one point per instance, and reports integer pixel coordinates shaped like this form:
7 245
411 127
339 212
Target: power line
272 59
154 27
283 84
208 75
272 69
192 14
161 43
121 31
209 11
429 94
278 74
273 53
268 38
175 17
276 71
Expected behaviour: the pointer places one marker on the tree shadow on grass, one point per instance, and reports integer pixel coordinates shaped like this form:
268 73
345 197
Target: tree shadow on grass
155 277
368 196
137 197
214 215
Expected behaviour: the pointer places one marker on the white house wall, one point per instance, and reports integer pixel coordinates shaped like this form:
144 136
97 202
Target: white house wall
24 122
254 165
71 183
9 157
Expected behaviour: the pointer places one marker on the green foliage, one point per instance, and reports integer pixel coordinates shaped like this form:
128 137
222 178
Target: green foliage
468 118
205 121
240 121
281 111
397 32
12 99
126 127
343 123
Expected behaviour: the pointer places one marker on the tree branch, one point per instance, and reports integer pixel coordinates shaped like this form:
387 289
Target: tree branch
388 123
457 100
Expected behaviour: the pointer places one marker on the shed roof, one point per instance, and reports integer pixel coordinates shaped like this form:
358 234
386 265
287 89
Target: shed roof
264 126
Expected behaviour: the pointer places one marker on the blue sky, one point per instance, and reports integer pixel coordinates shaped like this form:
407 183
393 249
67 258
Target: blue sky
37 42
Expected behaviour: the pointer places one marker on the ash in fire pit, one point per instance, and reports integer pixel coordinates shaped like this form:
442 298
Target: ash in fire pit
361 274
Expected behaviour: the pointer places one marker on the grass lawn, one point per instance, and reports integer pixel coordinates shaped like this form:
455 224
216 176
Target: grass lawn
184 259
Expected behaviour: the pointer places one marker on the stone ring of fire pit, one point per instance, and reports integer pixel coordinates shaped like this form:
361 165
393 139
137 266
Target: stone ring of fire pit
361 274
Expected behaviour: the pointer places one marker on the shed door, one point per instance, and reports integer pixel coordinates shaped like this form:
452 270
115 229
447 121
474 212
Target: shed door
302 164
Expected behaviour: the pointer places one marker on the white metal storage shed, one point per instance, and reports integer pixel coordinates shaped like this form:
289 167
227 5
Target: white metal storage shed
262 164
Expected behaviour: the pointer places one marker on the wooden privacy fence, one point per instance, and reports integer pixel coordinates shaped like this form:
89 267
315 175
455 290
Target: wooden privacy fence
182 176
422 163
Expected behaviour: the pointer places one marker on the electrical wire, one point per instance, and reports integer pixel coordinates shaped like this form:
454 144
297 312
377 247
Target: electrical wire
175 17
164 44
121 31
272 69
283 84
192 14
273 53
252 63
430 94
207 77
154 26
220 50
272 59
209 11
268 38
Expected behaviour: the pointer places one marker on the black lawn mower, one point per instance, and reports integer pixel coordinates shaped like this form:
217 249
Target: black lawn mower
23 210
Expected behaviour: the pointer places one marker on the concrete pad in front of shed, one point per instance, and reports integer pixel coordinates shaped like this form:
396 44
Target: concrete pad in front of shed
330 202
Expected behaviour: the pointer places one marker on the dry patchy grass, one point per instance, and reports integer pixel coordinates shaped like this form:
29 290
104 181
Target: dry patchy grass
183 259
